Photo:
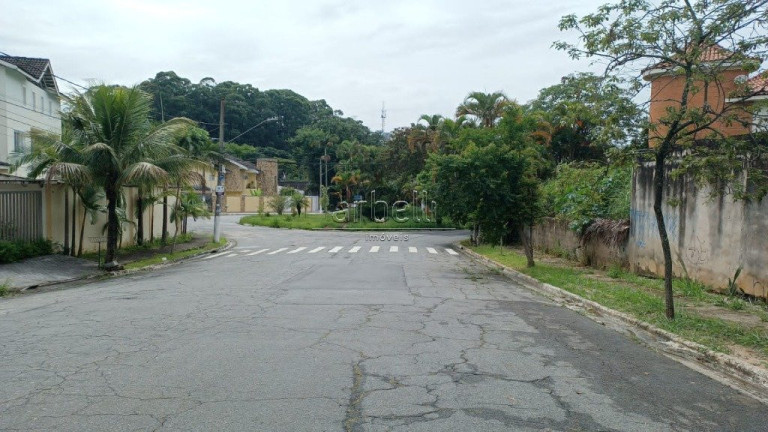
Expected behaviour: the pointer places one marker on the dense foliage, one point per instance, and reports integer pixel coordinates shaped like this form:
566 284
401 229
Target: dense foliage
581 193
17 250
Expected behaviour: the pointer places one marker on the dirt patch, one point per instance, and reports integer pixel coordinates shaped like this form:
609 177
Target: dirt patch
197 241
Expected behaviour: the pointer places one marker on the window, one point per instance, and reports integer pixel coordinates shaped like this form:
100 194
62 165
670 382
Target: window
24 95
34 101
42 104
50 107
18 142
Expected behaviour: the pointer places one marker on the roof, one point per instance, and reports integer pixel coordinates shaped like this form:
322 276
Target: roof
242 164
759 83
7 178
37 70
712 53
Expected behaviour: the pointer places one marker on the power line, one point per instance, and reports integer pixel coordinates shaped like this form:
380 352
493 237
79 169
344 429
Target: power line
45 126
29 109
74 84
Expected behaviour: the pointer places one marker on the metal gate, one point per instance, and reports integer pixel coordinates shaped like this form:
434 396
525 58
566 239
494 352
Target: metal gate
21 215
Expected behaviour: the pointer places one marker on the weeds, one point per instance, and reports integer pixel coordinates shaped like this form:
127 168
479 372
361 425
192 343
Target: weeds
615 272
733 289
4 287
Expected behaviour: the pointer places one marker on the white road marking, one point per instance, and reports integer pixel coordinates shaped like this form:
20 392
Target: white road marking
316 250
393 248
231 255
277 251
245 251
431 250
451 251
216 255
257 252
412 249
297 250
334 250
354 249
374 249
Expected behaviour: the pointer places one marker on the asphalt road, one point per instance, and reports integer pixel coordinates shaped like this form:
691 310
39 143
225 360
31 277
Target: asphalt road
351 340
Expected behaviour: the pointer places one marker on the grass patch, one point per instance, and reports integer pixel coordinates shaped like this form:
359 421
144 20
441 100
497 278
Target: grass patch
643 298
5 286
326 221
168 257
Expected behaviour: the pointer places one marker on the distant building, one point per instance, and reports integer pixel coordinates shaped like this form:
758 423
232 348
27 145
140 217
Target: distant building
29 99
667 85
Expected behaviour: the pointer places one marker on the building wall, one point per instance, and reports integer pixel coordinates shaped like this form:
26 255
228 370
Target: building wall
666 91
24 106
268 177
710 236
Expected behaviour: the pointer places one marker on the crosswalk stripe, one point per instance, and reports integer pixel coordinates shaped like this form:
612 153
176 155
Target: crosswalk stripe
451 251
257 252
297 250
374 249
393 248
412 249
231 255
431 250
317 249
216 255
354 249
334 250
277 251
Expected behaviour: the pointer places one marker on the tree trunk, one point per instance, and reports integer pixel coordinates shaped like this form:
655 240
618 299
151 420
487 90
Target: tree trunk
165 216
113 228
66 221
152 222
140 218
475 234
176 219
74 223
82 232
527 239
658 190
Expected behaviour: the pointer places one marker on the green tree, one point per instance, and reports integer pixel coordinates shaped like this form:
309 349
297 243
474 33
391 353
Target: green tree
487 108
697 42
589 114
120 145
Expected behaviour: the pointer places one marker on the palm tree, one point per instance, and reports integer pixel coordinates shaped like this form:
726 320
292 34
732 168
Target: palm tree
485 107
121 145
59 158
346 180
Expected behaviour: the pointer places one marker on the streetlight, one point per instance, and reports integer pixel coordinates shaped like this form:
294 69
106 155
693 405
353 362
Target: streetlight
220 185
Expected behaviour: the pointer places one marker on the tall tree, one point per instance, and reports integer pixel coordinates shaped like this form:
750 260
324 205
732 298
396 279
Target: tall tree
487 108
120 145
695 44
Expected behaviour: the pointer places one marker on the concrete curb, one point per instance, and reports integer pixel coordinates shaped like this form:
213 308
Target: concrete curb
104 275
725 368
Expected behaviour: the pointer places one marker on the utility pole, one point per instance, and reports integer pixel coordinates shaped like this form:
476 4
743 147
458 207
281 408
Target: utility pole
220 185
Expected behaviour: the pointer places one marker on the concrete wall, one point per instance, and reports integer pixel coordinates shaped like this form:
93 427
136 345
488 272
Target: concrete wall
54 219
709 237
555 237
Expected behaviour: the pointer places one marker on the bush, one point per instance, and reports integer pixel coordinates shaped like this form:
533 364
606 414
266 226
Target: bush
278 203
17 250
581 193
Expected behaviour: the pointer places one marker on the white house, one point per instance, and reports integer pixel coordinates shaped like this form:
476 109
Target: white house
29 99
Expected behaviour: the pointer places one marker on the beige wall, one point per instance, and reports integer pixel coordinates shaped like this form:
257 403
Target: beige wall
54 218
710 237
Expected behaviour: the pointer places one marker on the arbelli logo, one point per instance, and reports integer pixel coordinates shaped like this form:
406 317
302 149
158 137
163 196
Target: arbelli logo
386 237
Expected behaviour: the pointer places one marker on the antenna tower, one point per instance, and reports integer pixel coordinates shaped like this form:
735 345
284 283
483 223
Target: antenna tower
383 117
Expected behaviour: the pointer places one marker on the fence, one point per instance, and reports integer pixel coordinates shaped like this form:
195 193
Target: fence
21 215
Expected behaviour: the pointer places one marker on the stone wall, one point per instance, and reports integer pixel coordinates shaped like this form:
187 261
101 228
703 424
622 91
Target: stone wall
268 176
710 236
555 237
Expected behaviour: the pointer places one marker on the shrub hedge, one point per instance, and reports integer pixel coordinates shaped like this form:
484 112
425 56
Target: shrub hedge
17 250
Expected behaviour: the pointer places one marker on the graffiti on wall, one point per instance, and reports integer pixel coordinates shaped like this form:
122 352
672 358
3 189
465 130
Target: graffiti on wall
644 227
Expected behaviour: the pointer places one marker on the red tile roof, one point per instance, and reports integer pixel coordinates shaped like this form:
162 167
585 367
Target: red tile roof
759 83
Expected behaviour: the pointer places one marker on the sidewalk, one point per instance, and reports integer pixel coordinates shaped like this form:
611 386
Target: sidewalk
53 269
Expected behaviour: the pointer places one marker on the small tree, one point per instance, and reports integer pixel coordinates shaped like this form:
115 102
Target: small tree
696 43
278 203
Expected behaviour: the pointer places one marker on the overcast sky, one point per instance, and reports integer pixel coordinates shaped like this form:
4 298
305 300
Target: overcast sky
418 56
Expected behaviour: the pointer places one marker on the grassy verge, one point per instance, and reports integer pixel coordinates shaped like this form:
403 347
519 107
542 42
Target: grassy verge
326 221
167 257
698 309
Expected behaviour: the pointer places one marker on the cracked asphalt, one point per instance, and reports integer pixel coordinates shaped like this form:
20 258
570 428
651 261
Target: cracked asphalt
336 342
